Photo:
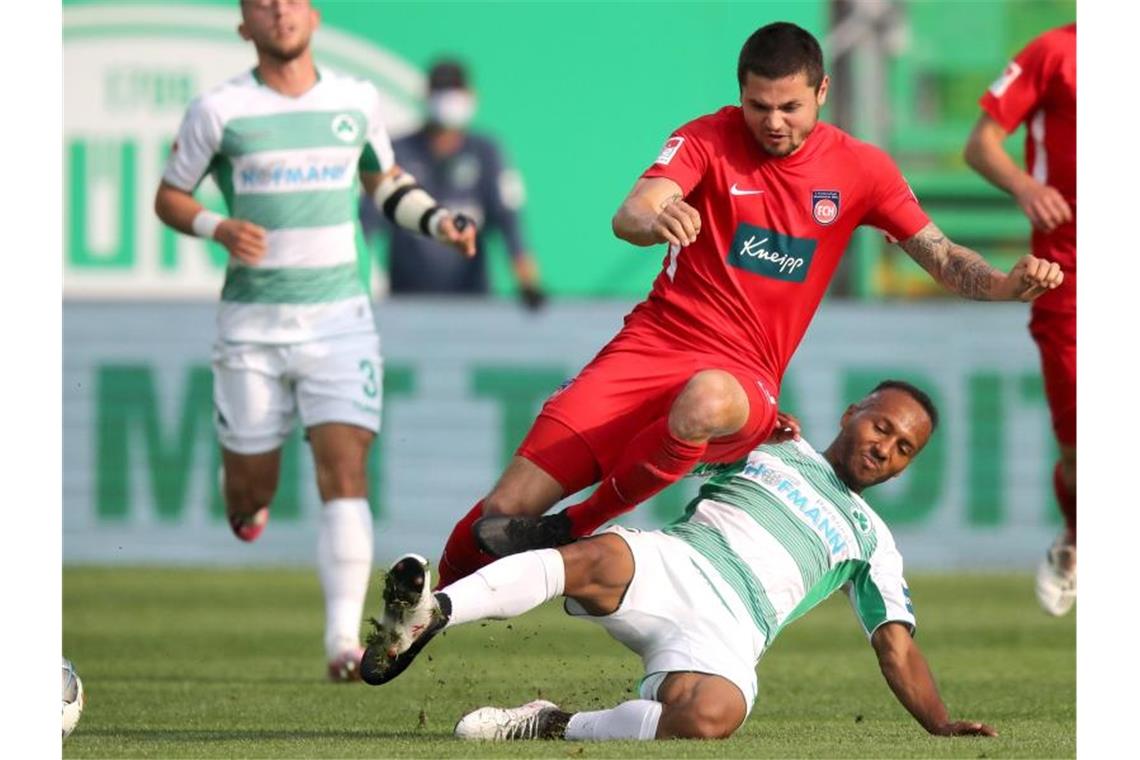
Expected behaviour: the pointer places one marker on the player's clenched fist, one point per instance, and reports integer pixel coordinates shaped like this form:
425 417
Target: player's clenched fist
678 223
244 240
1030 277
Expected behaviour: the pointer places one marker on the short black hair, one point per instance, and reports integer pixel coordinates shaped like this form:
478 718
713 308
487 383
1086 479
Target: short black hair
781 50
914 392
447 74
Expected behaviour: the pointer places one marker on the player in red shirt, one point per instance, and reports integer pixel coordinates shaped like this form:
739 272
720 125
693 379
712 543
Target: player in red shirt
1039 89
757 203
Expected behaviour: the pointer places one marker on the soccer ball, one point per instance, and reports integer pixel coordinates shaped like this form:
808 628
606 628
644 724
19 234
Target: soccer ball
72 697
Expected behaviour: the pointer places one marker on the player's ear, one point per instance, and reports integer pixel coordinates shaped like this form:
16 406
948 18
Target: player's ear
847 415
243 32
821 91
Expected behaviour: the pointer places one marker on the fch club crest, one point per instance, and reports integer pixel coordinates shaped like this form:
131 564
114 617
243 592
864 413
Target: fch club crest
824 206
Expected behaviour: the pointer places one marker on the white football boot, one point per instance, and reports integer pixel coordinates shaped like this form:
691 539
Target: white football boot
411 618
1057 578
539 719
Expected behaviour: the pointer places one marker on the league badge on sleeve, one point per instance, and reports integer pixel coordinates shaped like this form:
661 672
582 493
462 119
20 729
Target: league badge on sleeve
824 206
672 145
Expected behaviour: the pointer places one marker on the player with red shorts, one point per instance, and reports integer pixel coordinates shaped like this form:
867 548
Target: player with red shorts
757 203
1039 89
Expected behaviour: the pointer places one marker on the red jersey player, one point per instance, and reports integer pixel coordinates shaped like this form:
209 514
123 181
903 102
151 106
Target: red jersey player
1039 89
757 203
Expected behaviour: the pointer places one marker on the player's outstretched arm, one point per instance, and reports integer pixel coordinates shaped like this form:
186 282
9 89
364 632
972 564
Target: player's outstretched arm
910 679
655 212
401 199
177 208
966 273
985 153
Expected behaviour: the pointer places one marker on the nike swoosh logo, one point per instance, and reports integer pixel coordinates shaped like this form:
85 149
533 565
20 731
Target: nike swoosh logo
737 191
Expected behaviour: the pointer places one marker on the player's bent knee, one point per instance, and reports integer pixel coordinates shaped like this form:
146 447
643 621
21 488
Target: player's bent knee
712 404
600 561
701 723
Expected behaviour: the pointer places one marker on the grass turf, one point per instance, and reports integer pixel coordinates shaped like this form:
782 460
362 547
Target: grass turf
228 663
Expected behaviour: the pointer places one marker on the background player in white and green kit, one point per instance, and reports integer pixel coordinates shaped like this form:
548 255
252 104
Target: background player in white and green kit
767 539
287 143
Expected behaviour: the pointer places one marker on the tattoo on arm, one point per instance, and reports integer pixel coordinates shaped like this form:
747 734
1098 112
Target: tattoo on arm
954 266
671 199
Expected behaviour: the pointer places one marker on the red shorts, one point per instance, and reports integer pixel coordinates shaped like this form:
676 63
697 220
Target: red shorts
628 386
1055 333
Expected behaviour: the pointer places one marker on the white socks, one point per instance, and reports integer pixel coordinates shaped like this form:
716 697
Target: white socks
518 583
507 588
344 561
636 719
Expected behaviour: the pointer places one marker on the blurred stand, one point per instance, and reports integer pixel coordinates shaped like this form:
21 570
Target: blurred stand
466 172
865 36
906 76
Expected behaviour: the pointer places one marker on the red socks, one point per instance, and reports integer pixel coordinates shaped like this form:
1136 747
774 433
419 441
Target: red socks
1067 500
654 459
461 555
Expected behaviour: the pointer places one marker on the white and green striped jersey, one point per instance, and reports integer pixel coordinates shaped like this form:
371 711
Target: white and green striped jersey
784 532
291 166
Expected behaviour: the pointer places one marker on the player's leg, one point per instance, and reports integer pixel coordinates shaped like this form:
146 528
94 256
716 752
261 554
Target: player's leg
344 538
715 406
699 706
249 483
551 462
715 413
254 414
1055 336
594 572
689 706
699 655
712 404
338 387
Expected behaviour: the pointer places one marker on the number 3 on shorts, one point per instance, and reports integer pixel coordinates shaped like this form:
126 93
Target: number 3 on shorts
369 370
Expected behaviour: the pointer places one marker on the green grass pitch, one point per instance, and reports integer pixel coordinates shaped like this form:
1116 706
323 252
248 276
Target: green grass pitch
228 663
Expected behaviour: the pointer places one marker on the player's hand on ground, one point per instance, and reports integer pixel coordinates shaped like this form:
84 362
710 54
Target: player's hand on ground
1029 278
678 223
787 428
966 728
1045 206
244 240
459 232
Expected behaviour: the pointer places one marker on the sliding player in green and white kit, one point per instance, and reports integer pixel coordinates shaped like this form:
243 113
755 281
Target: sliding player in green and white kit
765 541
286 142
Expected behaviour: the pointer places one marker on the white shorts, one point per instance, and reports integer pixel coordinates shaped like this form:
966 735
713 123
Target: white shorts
259 388
680 616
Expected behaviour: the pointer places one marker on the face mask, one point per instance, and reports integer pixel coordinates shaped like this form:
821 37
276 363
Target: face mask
452 109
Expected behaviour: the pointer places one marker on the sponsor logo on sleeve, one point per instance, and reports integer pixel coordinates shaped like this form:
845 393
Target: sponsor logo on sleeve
1002 83
672 145
824 206
771 254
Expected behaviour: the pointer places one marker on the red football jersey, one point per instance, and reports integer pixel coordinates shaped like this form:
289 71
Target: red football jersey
772 232
1039 88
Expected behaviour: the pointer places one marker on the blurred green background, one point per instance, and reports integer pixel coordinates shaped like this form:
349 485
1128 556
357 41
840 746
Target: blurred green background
582 94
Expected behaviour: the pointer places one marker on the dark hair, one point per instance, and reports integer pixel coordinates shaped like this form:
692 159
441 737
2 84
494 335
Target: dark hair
447 74
916 393
781 50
